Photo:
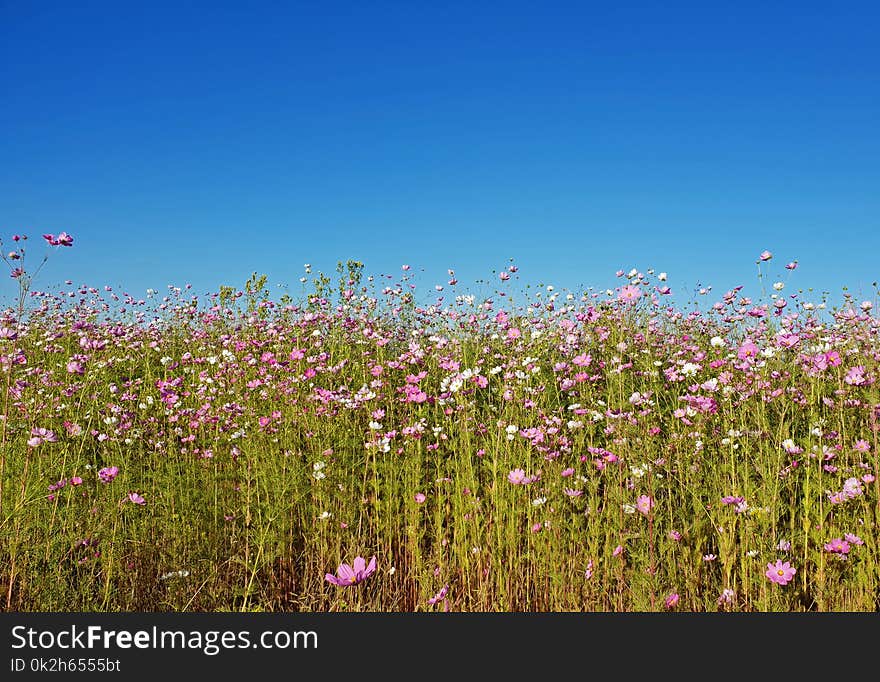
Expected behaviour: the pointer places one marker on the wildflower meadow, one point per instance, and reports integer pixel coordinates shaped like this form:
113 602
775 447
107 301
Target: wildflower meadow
370 444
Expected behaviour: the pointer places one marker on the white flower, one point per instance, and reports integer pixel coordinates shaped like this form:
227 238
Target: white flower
689 369
662 276
717 342
538 501
779 286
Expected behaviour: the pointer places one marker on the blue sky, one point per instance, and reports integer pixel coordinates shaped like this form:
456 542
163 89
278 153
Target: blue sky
202 143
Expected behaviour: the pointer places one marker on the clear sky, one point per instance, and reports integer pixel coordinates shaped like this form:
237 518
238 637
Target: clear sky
198 142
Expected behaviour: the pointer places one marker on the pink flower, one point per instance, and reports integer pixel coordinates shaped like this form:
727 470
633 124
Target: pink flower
765 255
748 350
516 476
136 499
440 596
582 360
74 367
792 265
833 358
64 239
420 498
781 572
854 539
617 550
46 434
644 504
503 276
862 446
837 546
672 600
513 333
726 597
629 293
855 376
589 572
675 535
107 474
352 575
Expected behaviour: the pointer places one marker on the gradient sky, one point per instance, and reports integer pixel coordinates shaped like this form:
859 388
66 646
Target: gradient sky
201 143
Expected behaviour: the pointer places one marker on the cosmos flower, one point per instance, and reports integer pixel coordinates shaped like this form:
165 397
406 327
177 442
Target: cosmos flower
440 596
644 504
352 575
107 474
780 572
837 546
629 293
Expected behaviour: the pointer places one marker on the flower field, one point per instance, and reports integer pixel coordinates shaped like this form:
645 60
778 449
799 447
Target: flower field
368 446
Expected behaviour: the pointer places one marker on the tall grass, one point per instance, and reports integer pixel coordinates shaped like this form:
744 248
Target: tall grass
664 463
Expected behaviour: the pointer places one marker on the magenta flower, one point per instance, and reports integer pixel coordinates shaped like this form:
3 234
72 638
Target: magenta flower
837 546
352 575
440 596
107 474
748 350
672 600
781 572
64 239
588 573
